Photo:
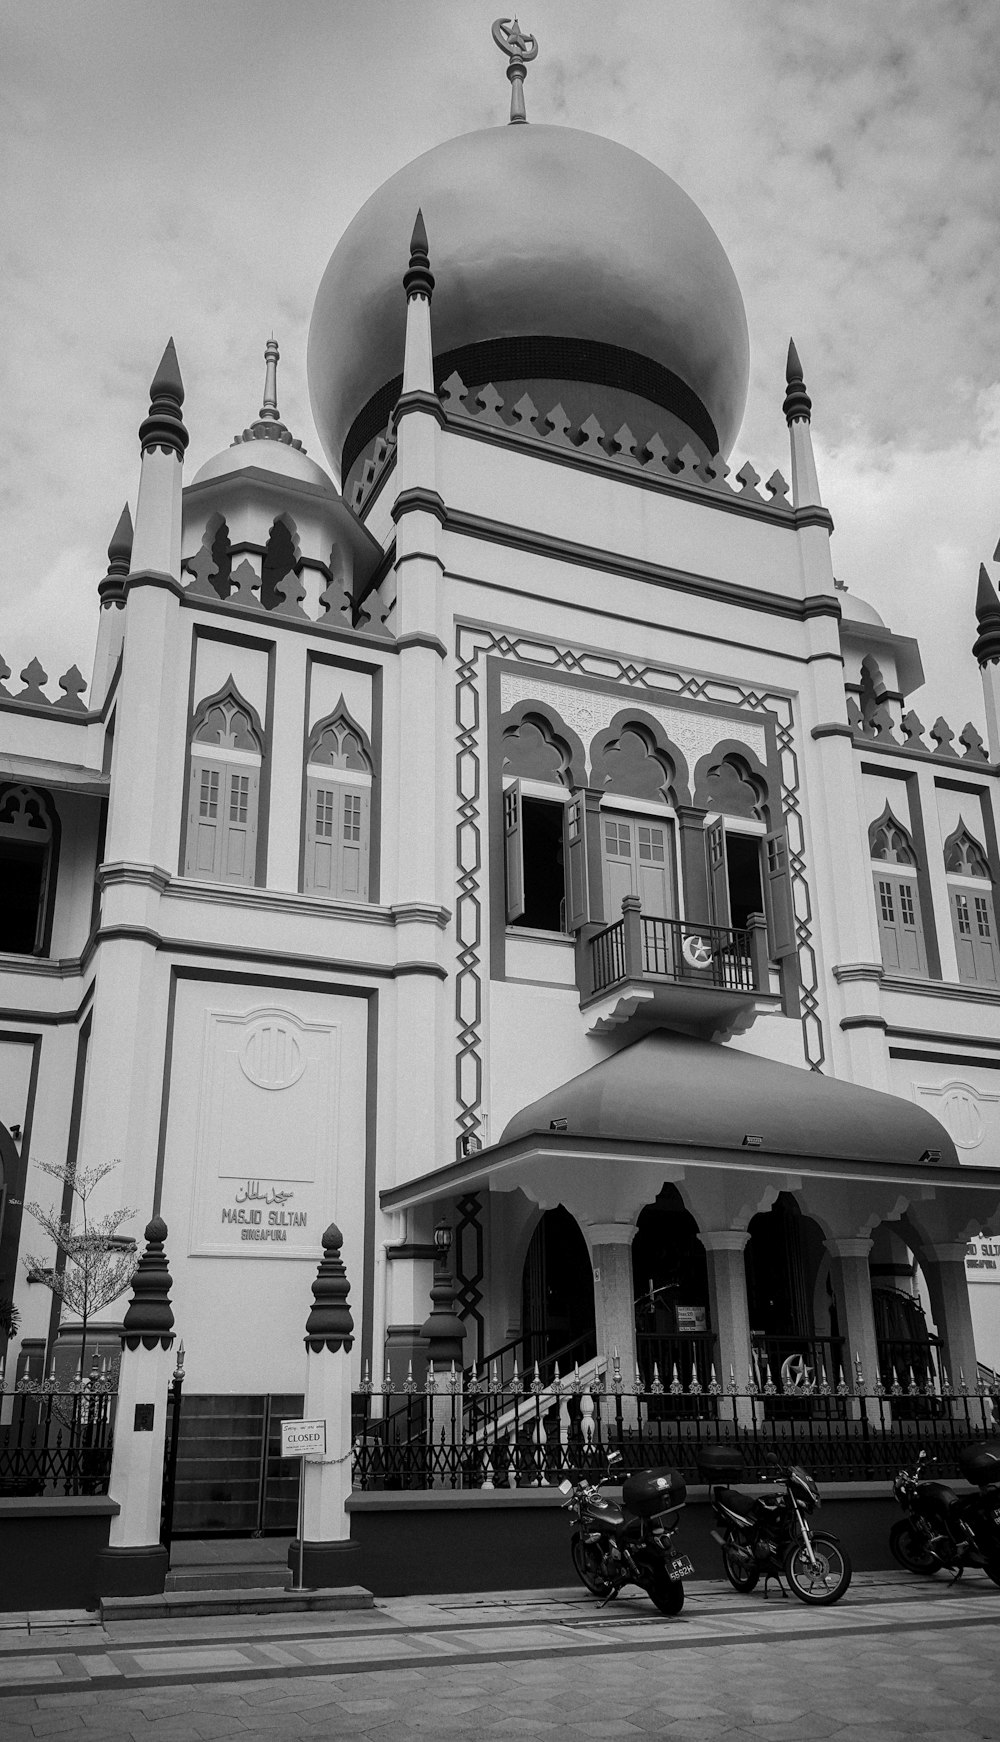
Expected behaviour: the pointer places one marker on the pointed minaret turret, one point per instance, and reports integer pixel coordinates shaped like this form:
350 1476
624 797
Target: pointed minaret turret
111 590
986 650
163 438
797 408
418 283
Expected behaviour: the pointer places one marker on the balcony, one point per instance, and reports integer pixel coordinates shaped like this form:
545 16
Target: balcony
702 979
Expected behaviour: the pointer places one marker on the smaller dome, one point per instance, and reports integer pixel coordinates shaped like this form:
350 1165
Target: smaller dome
285 460
268 444
856 610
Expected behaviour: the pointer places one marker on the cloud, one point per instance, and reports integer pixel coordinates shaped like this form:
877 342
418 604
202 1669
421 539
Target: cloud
189 169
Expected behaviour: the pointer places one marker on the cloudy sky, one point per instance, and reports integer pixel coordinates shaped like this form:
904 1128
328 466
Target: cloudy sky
187 168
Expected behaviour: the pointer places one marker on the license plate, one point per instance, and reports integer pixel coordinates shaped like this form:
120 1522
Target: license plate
680 1567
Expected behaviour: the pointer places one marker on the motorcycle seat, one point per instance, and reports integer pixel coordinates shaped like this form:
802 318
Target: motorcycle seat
736 1502
942 1498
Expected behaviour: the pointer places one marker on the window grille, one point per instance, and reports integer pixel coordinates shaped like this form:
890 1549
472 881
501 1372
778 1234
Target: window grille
324 814
983 917
352 817
962 913
208 801
885 898
906 912
238 795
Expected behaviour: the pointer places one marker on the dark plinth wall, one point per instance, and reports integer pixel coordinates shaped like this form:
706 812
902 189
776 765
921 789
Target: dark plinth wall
418 1544
49 1549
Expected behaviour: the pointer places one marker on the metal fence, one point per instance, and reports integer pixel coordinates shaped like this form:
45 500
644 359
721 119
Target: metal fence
54 1441
499 1437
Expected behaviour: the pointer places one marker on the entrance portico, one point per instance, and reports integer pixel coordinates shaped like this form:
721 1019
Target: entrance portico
733 1133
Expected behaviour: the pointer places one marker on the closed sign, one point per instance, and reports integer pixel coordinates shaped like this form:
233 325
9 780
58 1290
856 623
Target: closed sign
299 1438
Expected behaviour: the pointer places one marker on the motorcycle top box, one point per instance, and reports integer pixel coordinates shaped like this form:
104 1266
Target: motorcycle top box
980 1464
720 1464
646 1492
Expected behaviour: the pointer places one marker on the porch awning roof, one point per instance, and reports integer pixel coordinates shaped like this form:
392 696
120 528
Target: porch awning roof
62 776
671 1097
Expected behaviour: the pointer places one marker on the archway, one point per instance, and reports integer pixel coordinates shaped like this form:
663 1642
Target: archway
670 1282
795 1334
557 1294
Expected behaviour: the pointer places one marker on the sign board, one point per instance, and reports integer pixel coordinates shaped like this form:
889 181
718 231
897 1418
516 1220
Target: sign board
690 1318
300 1438
982 1260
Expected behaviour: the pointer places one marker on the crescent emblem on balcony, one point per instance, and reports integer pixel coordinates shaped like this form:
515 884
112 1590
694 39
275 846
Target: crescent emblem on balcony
696 950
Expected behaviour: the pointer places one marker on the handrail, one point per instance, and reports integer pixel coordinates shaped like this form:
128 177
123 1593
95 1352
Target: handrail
646 947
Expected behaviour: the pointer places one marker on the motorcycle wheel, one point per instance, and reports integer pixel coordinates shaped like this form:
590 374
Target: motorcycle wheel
667 1595
828 1580
992 1571
587 1562
742 1578
911 1551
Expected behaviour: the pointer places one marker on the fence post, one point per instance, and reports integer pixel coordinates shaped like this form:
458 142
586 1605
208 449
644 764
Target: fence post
760 958
632 939
170 1471
135 1562
326 1527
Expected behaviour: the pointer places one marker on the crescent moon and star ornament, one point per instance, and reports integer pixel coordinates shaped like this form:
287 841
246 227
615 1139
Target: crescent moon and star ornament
520 47
697 951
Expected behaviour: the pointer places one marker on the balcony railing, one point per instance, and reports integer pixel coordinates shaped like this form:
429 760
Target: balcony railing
643 947
495 1436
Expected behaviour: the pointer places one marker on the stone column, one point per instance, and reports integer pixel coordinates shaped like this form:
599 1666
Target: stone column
135 1562
327 1550
727 1292
853 1286
614 1294
943 1265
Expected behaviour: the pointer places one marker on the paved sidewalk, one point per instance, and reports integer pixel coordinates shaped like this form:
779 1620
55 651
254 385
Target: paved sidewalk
896 1658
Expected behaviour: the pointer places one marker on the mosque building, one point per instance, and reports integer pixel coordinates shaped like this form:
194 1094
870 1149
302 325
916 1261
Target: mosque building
507 831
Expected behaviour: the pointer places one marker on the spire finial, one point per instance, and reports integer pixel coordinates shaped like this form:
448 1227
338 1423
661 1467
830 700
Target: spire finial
520 48
164 427
798 405
418 279
269 409
986 648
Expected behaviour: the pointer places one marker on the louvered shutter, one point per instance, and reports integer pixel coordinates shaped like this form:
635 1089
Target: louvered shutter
778 890
575 860
203 855
718 873
513 849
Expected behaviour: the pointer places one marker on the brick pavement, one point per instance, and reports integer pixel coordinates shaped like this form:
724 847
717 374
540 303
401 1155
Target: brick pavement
894 1660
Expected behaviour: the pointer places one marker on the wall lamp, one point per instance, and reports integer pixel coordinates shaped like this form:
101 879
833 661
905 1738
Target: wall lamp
443 1236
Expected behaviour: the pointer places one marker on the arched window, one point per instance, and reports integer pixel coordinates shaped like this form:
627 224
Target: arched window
224 790
897 898
973 915
339 770
28 836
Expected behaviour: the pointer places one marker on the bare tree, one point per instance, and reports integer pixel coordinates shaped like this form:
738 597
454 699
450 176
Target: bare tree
98 1262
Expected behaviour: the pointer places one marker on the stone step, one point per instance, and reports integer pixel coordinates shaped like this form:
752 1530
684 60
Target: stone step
244 1576
268 1601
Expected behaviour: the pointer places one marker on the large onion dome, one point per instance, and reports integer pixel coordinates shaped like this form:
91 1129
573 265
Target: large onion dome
562 261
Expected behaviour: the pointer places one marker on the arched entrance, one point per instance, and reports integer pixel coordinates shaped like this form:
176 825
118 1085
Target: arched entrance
794 1328
557 1294
670 1281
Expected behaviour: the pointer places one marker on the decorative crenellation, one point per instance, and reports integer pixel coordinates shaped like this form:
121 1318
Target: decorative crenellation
652 457
381 458
204 576
876 726
34 677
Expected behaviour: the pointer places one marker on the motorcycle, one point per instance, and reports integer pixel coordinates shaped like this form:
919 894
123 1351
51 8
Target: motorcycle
771 1535
945 1529
630 1544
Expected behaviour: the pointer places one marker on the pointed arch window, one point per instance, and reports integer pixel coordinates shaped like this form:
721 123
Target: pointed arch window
973 911
339 775
29 832
897 897
224 790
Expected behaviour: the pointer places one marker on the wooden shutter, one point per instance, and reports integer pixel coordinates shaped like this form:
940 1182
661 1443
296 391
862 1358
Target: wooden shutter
513 849
718 873
575 860
355 810
322 825
974 923
203 856
899 924
240 824
778 892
